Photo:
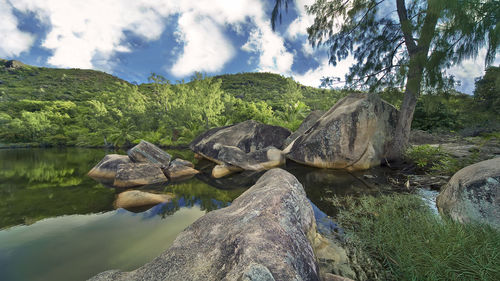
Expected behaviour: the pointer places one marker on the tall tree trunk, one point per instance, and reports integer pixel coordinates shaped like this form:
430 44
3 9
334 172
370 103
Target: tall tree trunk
405 116
418 52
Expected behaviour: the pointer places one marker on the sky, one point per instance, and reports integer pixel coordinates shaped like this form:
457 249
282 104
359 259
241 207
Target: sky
174 38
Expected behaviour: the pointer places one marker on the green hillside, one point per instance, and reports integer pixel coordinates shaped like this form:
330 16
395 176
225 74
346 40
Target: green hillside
40 83
49 106
75 107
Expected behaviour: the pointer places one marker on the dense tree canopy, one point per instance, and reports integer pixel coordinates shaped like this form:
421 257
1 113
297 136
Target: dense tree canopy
487 90
402 43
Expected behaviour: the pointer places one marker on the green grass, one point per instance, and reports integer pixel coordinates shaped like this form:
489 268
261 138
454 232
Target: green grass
415 244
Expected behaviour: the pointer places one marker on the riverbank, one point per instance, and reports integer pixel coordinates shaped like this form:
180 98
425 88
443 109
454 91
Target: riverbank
398 237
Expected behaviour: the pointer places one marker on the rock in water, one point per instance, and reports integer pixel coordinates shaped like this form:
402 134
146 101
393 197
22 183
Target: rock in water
248 136
263 235
353 135
106 169
136 198
249 145
146 152
306 124
180 169
135 174
473 194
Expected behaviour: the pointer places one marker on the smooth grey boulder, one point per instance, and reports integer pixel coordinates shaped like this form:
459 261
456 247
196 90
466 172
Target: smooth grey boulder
473 194
136 174
146 152
106 169
248 145
258 160
180 169
306 124
263 235
354 135
248 136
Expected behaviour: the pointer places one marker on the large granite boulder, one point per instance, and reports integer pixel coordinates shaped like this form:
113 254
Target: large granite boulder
146 152
106 169
180 169
354 135
304 126
263 235
136 174
248 136
136 198
473 194
248 145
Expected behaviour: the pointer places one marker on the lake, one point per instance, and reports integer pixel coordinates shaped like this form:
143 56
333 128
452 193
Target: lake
56 223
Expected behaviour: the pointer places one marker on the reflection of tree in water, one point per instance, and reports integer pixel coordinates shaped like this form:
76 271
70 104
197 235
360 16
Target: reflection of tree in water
41 183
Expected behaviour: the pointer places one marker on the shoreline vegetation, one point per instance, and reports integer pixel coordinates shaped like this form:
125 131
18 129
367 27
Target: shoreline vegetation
43 107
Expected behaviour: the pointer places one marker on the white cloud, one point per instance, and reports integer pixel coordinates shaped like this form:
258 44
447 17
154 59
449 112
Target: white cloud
312 77
14 41
299 26
273 56
88 33
84 30
206 48
470 69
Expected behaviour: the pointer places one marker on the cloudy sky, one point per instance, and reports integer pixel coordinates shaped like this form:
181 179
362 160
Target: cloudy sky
174 38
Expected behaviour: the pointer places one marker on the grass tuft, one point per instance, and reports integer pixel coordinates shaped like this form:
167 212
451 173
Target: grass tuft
413 243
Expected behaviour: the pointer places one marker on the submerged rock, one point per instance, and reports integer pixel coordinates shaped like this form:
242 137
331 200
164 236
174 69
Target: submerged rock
136 174
180 169
473 194
223 170
263 235
106 169
353 135
146 152
136 198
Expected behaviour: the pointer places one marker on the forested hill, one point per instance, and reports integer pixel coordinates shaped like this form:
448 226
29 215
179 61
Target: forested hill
19 81
49 106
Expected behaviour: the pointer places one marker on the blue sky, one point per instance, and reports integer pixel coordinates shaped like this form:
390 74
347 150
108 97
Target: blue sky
174 38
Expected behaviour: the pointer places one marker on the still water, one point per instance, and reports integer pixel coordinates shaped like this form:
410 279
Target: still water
58 224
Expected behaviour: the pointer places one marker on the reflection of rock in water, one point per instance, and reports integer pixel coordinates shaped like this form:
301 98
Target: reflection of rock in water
244 179
321 184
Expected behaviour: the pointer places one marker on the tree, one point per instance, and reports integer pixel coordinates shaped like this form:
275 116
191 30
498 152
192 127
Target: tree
487 92
402 43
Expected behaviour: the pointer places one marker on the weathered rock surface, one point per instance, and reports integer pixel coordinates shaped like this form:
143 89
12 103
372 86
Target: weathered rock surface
353 135
180 169
249 145
146 152
263 235
473 194
248 136
223 170
106 169
135 174
136 198
306 124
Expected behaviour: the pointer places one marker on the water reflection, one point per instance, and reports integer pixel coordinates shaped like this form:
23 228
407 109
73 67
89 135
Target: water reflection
42 183
77 247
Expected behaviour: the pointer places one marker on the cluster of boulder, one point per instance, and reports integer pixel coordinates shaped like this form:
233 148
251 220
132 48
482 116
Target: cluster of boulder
354 135
144 164
267 233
